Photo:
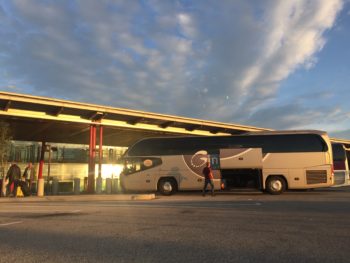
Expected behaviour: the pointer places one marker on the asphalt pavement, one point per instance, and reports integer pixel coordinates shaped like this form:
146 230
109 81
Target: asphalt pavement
297 226
80 198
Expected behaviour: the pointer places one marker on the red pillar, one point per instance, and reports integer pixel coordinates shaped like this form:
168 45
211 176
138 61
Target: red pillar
41 161
91 170
100 152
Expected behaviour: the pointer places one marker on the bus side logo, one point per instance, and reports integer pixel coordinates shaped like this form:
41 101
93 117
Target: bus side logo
197 162
199 159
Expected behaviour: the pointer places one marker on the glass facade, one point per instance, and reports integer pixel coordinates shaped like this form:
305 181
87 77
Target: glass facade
66 162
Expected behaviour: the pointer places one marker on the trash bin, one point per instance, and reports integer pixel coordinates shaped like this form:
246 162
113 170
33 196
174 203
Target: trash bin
85 184
115 185
76 186
108 185
55 186
98 185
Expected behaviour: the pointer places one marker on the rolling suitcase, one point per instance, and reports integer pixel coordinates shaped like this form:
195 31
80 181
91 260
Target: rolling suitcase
25 189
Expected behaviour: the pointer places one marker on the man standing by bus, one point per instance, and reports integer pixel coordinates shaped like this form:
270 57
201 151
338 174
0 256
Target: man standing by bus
13 176
208 179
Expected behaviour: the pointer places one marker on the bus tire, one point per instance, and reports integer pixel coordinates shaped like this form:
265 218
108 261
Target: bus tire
275 185
167 186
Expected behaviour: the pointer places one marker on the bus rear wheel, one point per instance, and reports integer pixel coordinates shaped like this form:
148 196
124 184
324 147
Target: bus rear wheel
167 186
275 185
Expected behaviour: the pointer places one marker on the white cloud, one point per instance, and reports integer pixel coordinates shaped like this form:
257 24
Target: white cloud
299 116
186 25
224 63
294 35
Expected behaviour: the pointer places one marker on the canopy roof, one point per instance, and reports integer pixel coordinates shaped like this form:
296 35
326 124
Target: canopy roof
33 118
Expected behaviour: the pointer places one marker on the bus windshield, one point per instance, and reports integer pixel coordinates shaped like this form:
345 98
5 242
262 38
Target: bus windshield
136 164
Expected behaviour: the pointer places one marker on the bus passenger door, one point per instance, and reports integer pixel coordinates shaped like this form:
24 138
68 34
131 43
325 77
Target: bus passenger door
141 174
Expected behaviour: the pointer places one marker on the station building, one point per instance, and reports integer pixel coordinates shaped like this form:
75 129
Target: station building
68 140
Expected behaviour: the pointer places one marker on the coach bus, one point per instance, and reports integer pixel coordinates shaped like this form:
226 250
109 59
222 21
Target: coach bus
341 164
272 161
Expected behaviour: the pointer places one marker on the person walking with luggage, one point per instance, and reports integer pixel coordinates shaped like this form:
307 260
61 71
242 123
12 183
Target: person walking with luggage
208 179
29 176
13 176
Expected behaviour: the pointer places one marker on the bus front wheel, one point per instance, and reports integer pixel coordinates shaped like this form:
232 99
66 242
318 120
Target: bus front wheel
275 185
167 186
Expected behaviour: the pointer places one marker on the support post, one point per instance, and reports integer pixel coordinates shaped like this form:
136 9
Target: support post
91 170
100 155
40 191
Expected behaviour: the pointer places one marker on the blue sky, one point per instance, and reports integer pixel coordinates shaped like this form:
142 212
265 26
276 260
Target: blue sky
273 64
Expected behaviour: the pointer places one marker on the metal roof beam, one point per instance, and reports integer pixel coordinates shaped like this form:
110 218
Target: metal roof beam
215 131
236 132
135 121
55 111
166 124
7 105
97 116
58 111
193 127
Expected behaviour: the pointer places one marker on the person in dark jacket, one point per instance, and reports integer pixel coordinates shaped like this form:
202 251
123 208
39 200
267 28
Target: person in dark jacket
13 175
208 179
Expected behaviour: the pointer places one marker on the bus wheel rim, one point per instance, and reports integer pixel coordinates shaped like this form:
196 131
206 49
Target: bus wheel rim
167 187
276 185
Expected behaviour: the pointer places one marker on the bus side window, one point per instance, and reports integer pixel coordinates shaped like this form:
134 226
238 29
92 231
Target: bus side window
129 167
136 165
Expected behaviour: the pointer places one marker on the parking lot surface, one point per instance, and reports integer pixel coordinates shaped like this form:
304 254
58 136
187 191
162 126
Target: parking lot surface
298 226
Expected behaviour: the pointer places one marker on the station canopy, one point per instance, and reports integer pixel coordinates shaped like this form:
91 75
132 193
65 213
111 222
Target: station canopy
33 118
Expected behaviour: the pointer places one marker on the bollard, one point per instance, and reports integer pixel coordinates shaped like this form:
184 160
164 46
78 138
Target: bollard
85 184
40 191
115 185
108 185
55 186
99 185
76 186
3 187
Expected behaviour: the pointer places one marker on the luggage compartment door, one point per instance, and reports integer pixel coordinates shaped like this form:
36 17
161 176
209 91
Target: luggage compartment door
240 158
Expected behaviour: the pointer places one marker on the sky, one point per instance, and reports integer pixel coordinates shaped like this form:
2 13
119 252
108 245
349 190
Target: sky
267 63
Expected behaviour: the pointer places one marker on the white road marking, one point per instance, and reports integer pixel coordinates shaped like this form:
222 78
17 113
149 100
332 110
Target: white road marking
11 223
40 211
206 206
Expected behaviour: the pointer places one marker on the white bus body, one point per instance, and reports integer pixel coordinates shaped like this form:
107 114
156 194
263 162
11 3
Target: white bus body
273 161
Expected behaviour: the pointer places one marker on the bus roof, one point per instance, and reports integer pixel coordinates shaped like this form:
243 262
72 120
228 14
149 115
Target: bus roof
271 141
280 132
283 132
